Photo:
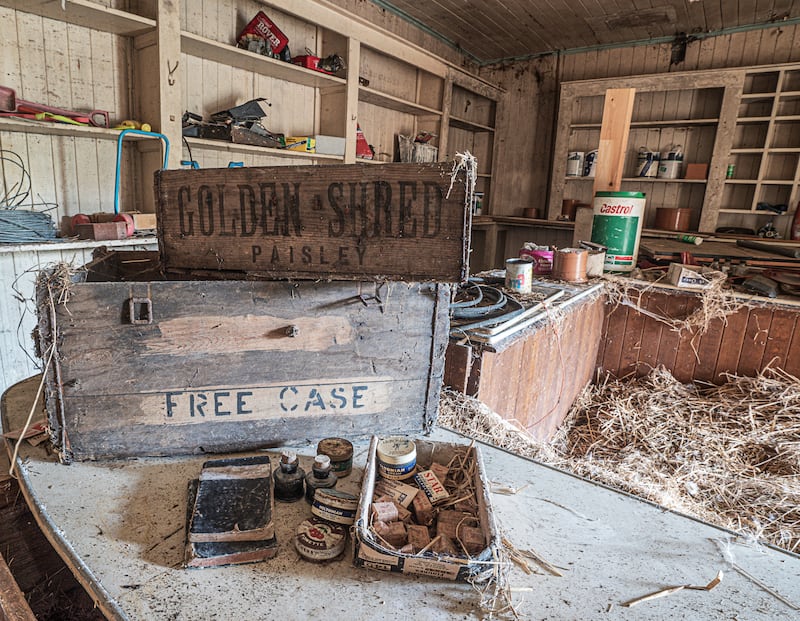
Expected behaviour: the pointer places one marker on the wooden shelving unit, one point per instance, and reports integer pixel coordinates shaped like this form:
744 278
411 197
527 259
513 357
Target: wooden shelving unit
675 110
749 118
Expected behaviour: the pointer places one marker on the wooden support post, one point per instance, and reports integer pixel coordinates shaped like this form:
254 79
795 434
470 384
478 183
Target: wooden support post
617 112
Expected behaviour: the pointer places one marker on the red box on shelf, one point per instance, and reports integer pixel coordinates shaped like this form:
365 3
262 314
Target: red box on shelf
309 62
262 26
363 150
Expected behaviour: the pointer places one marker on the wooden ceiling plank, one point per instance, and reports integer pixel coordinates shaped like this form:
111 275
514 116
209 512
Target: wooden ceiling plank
454 26
747 12
559 28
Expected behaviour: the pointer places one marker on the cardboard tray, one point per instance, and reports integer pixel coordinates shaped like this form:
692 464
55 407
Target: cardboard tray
370 553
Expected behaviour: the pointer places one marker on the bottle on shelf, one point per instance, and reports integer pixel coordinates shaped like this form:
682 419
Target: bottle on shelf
320 477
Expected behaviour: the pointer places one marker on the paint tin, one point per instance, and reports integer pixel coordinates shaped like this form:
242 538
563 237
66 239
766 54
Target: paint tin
340 452
590 164
519 274
541 256
569 264
575 162
397 458
669 169
617 225
647 163
335 506
594 263
318 540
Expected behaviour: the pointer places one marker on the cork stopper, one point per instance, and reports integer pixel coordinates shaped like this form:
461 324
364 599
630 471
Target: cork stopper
322 462
288 458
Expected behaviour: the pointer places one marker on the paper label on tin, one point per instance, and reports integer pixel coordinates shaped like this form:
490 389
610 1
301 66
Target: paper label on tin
401 493
371 555
319 540
428 567
430 484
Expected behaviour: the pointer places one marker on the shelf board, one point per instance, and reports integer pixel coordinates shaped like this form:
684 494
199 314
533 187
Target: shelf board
757 96
226 54
11 124
231 147
85 13
789 94
470 126
674 123
742 181
788 118
659 180
646 124
754 212
484 175
783 150
753 119
384 100
745 151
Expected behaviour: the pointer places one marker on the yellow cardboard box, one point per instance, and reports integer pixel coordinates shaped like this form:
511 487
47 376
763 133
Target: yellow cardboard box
301 143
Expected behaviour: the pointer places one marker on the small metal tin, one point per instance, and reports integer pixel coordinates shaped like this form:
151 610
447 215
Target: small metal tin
319 540
397 458
340 452
335 506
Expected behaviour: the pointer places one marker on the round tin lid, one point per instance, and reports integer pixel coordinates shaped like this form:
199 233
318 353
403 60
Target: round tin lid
338 449
318 540
396 450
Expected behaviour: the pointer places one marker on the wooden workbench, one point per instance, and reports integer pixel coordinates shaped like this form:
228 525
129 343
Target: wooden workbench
119 525
533 376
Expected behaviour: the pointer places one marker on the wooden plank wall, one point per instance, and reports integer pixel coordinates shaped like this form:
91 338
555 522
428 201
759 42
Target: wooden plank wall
70 67
18 272
744 343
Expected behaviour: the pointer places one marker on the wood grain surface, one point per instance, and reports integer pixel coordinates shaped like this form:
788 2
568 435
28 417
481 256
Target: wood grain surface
347 222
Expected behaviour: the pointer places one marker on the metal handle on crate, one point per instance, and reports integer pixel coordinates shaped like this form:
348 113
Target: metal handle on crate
140 311
120 138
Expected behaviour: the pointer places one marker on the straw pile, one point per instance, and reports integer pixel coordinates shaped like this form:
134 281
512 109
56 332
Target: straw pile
729 455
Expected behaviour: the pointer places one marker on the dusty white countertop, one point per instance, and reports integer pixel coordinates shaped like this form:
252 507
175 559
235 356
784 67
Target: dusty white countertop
120 527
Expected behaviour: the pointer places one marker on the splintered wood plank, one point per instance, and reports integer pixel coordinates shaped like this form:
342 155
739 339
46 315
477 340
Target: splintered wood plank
731 345
396 221
674 307
792 364
603 341
781 329
614 130
617 318
631 342
686 357
708 351
457 366
498 388
755 341
651 333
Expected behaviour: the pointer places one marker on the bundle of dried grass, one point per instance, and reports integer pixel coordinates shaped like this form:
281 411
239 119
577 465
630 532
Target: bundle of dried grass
727 454
716 302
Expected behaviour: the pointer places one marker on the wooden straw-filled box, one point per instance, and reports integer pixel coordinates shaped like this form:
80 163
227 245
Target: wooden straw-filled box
139 365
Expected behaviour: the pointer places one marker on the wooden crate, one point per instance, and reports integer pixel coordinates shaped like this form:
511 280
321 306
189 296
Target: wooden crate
154 367
343 222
